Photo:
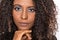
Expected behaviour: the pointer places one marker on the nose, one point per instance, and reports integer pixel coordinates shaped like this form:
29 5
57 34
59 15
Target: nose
24 15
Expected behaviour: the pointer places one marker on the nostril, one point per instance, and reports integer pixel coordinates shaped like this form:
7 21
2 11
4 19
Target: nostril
24 16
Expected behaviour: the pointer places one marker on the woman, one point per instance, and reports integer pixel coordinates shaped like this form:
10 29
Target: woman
27 20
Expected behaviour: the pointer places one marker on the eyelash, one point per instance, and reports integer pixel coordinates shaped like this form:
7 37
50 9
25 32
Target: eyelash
17 8
31 10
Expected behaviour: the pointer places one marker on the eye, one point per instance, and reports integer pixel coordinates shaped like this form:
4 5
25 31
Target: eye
17 8
31 9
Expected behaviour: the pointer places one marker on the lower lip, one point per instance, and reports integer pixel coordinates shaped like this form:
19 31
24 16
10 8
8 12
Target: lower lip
23 25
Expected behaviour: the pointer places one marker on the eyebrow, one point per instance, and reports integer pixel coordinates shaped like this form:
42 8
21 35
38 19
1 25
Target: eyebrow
21 6
17 5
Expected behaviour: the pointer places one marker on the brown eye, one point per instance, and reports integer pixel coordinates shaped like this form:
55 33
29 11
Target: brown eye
31 9
17 8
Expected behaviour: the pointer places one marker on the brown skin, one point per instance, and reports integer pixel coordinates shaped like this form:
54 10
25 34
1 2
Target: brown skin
19 35
23 16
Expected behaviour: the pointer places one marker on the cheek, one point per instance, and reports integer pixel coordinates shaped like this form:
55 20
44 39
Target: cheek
16 20
16 15
31 20
32 17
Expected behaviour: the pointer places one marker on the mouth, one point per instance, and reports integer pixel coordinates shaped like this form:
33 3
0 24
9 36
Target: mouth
23 24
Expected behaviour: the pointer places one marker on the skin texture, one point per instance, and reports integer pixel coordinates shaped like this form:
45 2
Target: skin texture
19 35
44 26
23 14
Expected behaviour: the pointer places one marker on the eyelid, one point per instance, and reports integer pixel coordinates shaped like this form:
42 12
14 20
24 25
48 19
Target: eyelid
31 9
17 6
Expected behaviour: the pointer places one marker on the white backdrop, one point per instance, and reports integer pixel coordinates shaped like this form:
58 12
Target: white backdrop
57 2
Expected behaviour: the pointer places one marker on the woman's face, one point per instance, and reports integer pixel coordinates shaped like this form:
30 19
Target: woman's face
23 14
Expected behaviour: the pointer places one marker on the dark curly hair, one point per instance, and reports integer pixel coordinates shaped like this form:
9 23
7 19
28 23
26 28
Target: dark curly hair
45 24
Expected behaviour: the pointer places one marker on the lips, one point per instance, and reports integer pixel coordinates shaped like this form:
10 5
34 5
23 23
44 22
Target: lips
23 24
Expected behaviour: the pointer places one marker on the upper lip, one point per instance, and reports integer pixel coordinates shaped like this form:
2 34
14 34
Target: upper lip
23 23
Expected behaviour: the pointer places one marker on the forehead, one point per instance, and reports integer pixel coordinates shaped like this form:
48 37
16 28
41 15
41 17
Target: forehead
23 2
